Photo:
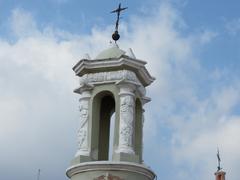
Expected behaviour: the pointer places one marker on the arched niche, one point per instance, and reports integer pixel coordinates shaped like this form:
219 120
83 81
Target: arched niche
103 106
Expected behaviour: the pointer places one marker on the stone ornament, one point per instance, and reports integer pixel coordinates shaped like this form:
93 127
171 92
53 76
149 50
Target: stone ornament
126 110
108 177
127 115
82 133
112 76
108 76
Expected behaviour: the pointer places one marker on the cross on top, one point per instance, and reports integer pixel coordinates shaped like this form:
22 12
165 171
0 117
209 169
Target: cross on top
219 160
115 35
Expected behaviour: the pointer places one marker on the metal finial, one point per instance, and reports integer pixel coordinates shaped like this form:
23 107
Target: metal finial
219 160
115 35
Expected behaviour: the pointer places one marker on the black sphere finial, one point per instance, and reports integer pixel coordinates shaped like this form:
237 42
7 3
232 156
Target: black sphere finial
115 35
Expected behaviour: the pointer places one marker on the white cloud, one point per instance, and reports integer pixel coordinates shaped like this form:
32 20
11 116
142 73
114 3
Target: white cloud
36 83
22 23
207 36
233 26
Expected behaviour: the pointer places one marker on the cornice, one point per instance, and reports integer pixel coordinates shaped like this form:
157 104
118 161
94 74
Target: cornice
85 66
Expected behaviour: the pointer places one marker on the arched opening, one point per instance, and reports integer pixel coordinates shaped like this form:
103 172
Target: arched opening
107 108
111 137
138 128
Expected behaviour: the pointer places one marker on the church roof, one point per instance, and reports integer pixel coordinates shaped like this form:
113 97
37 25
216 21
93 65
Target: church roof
112 52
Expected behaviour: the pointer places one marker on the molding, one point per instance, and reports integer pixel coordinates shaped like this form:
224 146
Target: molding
84 87
111 76
91 66
120 77
145 100
110 166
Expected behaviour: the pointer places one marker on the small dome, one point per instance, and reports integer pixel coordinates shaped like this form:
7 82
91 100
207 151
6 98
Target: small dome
112 52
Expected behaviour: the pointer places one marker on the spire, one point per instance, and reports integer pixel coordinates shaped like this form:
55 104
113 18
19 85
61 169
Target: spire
219 161
220 174
115 35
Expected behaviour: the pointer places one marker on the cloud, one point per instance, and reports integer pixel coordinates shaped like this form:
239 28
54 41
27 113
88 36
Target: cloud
233 26
207 36
185 121
22 23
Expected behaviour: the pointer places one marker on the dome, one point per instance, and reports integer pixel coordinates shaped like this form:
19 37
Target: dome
112 52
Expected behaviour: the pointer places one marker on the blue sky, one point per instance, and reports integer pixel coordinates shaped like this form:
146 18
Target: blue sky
192 48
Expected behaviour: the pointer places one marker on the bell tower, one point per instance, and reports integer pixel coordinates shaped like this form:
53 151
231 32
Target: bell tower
112 83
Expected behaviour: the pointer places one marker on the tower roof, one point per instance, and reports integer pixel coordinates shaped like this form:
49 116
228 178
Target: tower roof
113 59
112 52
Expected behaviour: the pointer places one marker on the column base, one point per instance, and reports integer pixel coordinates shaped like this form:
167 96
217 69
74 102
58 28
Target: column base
125 157
80 159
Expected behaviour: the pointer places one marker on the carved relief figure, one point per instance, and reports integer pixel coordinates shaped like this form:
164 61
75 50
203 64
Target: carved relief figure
127 115
108 76
82 132
108 177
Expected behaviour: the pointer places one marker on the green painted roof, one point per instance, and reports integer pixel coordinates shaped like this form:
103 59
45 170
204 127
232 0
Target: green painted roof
113 52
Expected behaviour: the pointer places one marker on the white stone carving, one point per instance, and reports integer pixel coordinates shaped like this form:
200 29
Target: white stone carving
127 116
116 63
108 176
110 77
80 170
83 127
82 132
103 77
126 110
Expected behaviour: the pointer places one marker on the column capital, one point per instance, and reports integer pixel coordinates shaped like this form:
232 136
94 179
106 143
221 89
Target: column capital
127 83
83 88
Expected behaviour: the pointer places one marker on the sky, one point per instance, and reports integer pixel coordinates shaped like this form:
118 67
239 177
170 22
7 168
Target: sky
191 47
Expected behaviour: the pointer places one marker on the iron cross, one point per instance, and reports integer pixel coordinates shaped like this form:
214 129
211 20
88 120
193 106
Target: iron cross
219 160
118 11
116 35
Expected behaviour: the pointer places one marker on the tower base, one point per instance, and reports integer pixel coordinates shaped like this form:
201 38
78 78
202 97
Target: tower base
108 170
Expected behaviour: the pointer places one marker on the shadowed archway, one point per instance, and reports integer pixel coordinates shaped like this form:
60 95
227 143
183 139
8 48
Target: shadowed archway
104 105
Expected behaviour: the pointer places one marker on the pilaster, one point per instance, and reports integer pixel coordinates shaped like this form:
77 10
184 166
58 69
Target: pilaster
127 117
83 150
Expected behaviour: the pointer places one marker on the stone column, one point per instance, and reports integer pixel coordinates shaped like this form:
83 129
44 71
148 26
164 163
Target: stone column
83 137
127 118
142 144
